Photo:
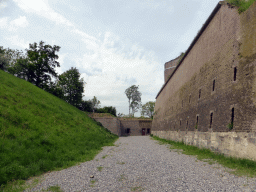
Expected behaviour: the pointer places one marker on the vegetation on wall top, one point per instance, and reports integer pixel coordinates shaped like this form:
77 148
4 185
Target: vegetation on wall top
241 4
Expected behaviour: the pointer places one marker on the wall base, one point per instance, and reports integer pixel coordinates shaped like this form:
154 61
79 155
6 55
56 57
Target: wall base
236 144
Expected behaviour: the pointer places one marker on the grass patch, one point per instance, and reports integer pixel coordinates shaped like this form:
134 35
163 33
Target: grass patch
241 167
241 4
120 163
55 188
40 132
100 168
122 177
137 189
104 156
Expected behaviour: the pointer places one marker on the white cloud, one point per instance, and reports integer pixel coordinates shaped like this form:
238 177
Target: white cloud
41 7
4 22
17 41
110 70
20 22
15 24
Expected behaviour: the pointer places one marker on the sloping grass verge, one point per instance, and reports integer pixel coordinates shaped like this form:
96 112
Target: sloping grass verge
40 132
241 4
242 167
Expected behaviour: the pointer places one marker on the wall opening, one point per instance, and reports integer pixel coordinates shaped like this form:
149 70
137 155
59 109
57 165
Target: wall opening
148 131
128 130
197 120
199 93
211 119
187 124
235 71
232 118
213 85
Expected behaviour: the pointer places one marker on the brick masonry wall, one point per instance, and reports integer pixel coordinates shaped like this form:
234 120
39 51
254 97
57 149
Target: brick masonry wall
119 126
169 68
227 44
111 123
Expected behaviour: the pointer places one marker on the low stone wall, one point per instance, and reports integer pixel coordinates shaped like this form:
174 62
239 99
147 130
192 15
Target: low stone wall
112 124
236 144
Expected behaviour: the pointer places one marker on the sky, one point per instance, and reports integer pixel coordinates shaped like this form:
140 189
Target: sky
113 43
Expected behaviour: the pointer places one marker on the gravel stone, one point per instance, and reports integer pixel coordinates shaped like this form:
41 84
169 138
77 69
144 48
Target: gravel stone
139 163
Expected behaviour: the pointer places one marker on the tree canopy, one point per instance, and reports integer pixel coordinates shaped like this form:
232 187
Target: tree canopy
134 98
43 59
72 86
95 103
148 109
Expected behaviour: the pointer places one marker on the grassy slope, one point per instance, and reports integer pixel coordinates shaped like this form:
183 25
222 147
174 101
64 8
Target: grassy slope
40 132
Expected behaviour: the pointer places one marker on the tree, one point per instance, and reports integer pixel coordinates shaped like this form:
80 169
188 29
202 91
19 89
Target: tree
95 103
72 86
148 109
86 106
134 98
110 109
43 57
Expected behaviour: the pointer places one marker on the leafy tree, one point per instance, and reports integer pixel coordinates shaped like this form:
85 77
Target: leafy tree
43 57
72 86
134 98
55 89
95 103
110 109
3 60
148 109
120 115
86 106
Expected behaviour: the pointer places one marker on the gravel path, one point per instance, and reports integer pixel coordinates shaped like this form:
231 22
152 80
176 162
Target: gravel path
141 164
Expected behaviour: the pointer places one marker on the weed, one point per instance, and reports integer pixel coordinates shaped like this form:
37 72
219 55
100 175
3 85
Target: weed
122 177
121 163
137 189
237 166
100 168
93 181
241 4
230 126
55 188
104 156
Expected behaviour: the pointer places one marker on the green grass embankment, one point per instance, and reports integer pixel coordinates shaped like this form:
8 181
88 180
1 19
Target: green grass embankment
40 132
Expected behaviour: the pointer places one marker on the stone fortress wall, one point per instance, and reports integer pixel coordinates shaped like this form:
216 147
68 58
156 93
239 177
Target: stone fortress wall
124 126
209 100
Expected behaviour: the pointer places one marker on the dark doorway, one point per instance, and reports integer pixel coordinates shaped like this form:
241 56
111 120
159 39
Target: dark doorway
148 131
128 130
143 131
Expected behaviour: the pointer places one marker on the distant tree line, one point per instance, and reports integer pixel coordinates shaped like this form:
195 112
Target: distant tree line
37 66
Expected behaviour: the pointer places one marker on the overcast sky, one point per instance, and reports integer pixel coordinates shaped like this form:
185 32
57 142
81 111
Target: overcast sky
113 43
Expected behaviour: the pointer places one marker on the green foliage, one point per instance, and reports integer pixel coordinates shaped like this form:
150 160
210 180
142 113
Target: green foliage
72 86
40 132
148 109
134 98
110 109
241 4
95 103
230 126
241 166
86 106
196 126
43 57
